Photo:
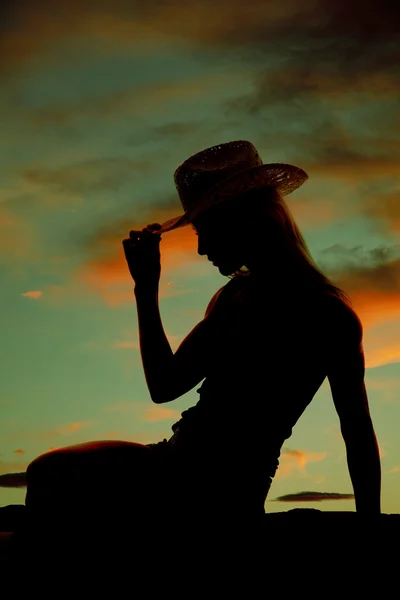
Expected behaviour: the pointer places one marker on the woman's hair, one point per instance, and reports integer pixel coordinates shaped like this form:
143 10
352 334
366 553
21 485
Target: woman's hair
267 206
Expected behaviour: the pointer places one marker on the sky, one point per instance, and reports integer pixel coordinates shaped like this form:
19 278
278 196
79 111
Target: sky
100 102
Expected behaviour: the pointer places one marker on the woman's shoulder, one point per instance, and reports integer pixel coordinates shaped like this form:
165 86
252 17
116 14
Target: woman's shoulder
212 304
340 316
224 296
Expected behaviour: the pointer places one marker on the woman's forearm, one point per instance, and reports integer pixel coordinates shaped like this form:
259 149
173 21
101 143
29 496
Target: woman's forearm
365 471
157 355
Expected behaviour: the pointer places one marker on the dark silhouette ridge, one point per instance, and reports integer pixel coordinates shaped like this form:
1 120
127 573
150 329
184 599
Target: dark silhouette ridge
287 551
14 516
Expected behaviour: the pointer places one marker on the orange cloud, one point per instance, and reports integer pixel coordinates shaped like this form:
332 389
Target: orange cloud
312 214
372 279
45 437
334 431
394 470
384 208
125 345
296 460
149 412
34 294
357 170
18 241
381 450
159 413
8 466
36 29
387 388
114 434
19 451
385 355
124 406
108 275
375 307
73 428
381 337
119 23
174 341
39 30
64 295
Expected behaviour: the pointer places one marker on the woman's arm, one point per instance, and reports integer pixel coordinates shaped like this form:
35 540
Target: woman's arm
157 355
346 370
363 463
168 375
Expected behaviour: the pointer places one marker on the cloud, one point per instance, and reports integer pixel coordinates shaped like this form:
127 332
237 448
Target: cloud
178 129
388 389
329 49
174 341
45 436
18 241
370 276
13 480
19 451
383 208
73 428
324 81
106 274
33 294
359 39
124 406
382 452
95 175
124 345
146 412
114 434
106 237
394 470
312 497
383 354
353 54
133 105
296 460
159 413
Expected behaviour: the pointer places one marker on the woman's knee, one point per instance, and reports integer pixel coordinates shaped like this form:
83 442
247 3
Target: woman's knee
39 465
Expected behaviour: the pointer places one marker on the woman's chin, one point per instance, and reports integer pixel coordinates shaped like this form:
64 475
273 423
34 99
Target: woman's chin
226 269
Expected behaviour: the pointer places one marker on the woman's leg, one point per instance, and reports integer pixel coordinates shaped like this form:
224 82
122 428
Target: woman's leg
101 478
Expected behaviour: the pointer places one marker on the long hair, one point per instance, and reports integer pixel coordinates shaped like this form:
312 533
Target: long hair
266 206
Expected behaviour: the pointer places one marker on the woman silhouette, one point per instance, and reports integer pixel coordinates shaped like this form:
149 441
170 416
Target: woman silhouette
269 338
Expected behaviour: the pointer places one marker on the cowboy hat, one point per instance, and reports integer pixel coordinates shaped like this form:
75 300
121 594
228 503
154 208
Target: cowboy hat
220 173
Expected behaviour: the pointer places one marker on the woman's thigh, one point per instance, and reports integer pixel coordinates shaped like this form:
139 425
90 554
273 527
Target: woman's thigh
99 455
107 473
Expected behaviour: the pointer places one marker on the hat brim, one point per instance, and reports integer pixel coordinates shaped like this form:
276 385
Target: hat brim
286 178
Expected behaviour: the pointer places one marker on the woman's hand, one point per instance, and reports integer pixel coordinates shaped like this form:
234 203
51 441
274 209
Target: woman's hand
142 253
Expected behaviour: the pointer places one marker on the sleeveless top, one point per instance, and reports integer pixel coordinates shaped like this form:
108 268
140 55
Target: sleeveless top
240 412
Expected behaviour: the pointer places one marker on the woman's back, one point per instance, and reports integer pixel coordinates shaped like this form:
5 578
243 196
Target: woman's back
265 364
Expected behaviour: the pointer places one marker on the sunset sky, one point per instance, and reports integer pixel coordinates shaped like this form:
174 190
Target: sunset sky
100 101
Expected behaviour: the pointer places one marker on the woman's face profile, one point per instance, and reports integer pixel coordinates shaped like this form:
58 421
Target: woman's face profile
221 239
